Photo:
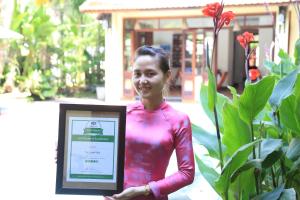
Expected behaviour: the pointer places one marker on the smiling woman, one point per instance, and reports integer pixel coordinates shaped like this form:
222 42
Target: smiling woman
153 131
151 72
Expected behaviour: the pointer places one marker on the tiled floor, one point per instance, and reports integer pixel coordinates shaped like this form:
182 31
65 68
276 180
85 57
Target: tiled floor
27 150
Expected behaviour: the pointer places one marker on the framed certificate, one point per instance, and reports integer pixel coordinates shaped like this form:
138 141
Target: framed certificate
90 153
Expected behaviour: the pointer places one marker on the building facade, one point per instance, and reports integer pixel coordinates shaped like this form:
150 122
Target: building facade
180 28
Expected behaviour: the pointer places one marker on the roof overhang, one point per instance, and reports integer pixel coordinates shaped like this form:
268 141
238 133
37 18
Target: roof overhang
108 6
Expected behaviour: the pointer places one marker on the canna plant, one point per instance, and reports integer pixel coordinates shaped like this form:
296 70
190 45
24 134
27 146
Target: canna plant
259 135
215 10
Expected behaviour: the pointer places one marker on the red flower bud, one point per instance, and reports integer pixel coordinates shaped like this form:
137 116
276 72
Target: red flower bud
254 74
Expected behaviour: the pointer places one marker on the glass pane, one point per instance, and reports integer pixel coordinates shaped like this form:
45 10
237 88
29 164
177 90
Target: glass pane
266 20
199 22
127 52
171 23
199 52
150 23
129 24
176 50
252 20
239 20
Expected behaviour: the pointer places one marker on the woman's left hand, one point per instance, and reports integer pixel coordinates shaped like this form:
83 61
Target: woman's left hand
128 193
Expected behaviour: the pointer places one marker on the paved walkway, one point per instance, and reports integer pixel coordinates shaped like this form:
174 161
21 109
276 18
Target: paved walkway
27 150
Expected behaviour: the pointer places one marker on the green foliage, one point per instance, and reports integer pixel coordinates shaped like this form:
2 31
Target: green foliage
233 163
275 194
283 89
285 66
221 99
297 52
41 85
208 140
235 97
288 194
209 173
255 97
212 90
260 133
236 131
293 152
59 52
289 115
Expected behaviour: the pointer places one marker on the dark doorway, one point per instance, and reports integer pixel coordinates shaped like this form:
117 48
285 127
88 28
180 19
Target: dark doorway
238 70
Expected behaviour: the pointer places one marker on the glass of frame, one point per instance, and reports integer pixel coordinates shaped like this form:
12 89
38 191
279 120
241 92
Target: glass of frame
90 152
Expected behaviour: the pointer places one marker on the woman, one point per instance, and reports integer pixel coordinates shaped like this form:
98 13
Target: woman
153 130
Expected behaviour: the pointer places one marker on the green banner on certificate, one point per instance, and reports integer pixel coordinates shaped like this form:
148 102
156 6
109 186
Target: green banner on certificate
92 149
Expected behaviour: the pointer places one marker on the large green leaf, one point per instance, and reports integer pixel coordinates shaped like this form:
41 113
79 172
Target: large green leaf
273 195
235 96
255 97
272 131
255 163
212 90
207 172
295 168
297 52
259 164
286 64
297 86
221 99
236 131
271 66
233 163
268 146
269 155
283 89
293 152
297 100
289 115
209 141
243 187
288 194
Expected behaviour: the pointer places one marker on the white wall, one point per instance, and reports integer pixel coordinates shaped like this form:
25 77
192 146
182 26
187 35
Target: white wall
6 12
225 51
114 61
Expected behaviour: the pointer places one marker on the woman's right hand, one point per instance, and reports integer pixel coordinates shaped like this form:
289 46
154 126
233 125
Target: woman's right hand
128 193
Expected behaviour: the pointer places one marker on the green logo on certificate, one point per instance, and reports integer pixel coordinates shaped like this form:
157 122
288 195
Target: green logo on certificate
93 128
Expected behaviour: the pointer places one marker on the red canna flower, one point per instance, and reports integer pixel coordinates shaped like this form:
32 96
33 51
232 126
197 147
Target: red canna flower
215 10
245 39
212 10
226 18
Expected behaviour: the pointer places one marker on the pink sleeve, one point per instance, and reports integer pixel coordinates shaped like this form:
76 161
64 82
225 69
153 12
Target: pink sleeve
185 162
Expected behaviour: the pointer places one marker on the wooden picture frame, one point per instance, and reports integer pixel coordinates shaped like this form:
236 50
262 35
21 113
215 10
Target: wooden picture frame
90 152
